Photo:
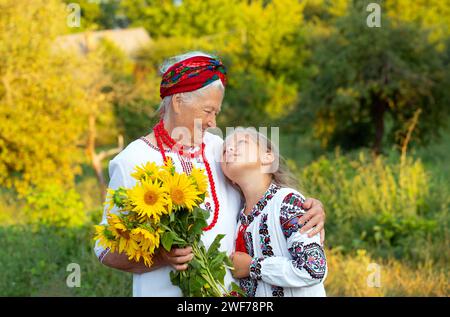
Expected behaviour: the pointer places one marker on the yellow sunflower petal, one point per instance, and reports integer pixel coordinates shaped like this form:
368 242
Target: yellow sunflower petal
148 170
183 192
149 200
201 180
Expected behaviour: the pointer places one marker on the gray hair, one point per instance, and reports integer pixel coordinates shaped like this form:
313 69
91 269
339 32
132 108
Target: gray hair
185 96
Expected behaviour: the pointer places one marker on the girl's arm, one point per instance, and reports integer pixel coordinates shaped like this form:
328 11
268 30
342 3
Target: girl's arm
308 264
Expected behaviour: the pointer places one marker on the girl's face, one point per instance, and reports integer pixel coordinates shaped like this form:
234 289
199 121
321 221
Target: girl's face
240 154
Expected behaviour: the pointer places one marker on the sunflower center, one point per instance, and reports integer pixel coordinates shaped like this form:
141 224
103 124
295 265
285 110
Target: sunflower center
177 196
124 234
150 198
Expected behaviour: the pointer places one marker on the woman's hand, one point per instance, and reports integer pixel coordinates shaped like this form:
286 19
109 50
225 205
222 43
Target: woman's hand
241 262
177 258
315 216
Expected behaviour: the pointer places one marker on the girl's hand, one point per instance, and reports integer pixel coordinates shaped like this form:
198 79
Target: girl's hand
241 262
315 216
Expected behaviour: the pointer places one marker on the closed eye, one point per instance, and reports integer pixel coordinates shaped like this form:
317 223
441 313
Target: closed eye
211 110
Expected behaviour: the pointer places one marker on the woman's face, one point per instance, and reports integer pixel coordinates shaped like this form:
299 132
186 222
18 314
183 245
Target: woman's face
240 154
202 110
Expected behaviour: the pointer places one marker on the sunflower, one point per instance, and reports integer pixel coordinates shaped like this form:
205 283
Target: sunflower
200 179
128 245
105 238
109 201
116 226
147 240
149 170
120 232
116 197
146 256
182 191
149 200
169 166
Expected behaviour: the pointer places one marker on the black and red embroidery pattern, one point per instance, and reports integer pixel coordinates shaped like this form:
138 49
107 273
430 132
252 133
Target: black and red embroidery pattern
248 284
255 269
310 257
315 262
264 243
296 251
290 212
249 243
277 291
264 236
267 251
260 205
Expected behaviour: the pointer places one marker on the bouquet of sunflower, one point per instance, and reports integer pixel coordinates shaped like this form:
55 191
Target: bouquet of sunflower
162 209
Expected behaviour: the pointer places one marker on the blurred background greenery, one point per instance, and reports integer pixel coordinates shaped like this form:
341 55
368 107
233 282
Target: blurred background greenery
363 115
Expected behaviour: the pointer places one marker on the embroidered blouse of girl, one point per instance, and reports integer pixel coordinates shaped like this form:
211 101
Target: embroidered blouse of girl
272 257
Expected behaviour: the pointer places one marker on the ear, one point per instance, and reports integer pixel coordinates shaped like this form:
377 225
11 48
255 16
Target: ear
176 103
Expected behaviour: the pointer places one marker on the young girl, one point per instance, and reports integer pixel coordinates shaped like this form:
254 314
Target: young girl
272 257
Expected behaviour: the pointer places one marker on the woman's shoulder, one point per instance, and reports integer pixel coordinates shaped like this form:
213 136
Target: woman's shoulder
134 154
214 144
211 138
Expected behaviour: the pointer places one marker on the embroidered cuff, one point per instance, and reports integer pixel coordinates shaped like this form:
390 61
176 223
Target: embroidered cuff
103 254
255 269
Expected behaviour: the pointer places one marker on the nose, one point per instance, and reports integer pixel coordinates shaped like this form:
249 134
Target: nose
212 121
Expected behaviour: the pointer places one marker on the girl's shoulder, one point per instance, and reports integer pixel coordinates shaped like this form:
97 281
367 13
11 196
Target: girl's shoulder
289 202
287 195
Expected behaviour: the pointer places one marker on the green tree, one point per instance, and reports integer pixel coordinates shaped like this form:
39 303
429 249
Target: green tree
433 15
266 62
365 74
188 18
98 15
261 42
41 101
54 206
133 89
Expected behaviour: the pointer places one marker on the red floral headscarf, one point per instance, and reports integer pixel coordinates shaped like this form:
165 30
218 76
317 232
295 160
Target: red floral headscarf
191 74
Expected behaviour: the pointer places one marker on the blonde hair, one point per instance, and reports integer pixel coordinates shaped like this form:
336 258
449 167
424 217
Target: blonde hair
281 175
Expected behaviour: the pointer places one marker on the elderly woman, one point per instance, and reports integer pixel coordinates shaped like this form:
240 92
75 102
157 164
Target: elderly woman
192 90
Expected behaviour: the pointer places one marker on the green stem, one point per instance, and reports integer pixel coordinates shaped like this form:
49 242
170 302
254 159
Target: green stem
208 277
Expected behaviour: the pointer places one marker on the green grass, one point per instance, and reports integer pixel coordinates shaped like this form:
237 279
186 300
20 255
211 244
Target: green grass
34 263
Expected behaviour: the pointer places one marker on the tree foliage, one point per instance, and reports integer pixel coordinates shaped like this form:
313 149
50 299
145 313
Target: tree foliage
261 42
367 76
40 100
312 64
